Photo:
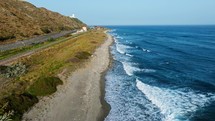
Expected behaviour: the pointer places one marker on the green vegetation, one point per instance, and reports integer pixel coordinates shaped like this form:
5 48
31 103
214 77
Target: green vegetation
14 70
51 39
6 37
18 104
14 105
5 116
82 55
9 53
44 86
77 21
43 66
46 30
3 69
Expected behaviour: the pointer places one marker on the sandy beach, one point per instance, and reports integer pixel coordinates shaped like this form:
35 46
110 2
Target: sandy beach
81 97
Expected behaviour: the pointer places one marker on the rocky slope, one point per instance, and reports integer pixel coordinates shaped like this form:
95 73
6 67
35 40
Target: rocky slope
21 20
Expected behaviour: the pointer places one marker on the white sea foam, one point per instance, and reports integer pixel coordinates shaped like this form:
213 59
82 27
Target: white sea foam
116 40
130 42
130 69
122 48
113 30
129 55
175 104
148 70
119 37
127 105
114 34
146 50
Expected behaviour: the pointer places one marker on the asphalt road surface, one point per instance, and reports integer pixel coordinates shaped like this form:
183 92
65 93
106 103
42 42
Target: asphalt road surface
35 40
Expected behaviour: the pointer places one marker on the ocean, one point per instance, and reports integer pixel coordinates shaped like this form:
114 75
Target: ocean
162 73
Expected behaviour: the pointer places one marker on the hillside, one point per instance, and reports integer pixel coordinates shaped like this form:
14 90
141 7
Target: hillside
21 20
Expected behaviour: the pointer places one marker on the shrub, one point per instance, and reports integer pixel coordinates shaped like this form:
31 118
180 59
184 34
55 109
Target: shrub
36 33
13 70
46 30
5 116
17 104
73 60
51 39
7 37
83 55
3 69
62 28
44 86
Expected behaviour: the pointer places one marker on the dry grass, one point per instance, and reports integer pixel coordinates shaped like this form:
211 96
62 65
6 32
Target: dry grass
54 59
21 20
51 61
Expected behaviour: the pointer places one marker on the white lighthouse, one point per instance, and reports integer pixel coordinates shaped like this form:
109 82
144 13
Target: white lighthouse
72 16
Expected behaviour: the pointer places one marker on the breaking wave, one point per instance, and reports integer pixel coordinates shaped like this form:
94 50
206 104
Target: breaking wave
130 69
175 105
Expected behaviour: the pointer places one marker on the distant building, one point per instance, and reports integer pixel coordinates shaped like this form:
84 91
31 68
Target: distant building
98 27
84 28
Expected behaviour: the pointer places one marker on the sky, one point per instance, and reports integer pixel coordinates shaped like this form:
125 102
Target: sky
135 12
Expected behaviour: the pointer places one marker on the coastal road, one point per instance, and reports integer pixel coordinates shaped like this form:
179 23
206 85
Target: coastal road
13 58
35 40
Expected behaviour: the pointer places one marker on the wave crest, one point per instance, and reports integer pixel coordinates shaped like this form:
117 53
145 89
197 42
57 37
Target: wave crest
130 69
122 48
175 105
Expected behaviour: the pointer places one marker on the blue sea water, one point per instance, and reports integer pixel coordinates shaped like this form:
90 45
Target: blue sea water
162 73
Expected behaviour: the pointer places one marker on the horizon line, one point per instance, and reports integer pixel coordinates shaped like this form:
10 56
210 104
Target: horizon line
157 25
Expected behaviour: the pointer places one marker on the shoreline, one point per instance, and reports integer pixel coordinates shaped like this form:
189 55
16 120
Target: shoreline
105 106
81 98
